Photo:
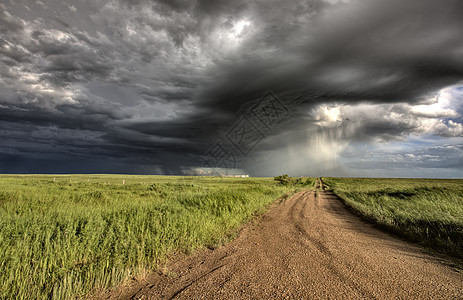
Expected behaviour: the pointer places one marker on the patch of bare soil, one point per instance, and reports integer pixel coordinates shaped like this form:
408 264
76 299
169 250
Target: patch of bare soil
309 246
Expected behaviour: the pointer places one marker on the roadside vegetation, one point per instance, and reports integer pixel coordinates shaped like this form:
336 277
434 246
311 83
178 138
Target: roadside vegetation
425 211
295 181
63 237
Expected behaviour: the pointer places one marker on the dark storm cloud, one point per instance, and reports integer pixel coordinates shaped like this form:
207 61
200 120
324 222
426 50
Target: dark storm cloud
9 23
363 52
159 82
374 52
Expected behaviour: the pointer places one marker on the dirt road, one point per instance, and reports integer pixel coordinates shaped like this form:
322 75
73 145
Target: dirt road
306 247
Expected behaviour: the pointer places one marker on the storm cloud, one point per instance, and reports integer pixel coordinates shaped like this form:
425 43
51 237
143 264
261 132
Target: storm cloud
141 86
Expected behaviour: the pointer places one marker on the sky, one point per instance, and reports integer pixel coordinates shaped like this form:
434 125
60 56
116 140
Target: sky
365 88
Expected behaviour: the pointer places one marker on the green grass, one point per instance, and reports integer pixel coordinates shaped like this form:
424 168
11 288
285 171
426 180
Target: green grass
425 211
64 237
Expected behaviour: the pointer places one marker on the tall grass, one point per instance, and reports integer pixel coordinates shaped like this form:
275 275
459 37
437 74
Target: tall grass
63 237
426 211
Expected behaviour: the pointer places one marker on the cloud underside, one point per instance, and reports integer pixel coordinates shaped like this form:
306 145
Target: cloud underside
152 85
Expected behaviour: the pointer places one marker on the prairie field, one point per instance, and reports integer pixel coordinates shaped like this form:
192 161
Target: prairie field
425 211
65 236
68 236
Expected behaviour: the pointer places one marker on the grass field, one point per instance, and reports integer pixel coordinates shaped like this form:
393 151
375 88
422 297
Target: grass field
66 236
426 211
